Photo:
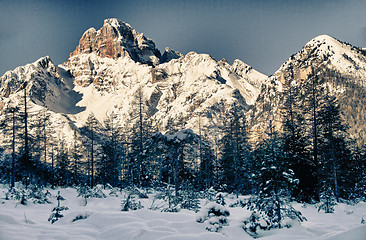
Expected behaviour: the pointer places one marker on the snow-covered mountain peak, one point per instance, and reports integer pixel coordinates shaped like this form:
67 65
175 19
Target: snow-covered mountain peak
324 39
170 54
118 39
46 63
13 80
325 52
116 23
336 62
248 73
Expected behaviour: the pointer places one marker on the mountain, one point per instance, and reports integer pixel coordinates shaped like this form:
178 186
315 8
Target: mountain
178 89
118 39
108 69
49 92
343 68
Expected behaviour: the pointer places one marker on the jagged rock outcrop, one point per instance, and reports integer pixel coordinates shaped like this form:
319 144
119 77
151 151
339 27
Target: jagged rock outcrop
117 39
247 73
170 54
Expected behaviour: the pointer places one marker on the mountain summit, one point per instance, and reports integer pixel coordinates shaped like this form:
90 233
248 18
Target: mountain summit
342 68
118 39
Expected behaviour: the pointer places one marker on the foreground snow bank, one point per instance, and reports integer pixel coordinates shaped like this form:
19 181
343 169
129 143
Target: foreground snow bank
102 218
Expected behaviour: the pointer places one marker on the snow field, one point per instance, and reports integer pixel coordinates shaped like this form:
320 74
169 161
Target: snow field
102 218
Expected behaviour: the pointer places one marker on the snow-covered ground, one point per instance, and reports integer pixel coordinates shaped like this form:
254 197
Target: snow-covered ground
105 220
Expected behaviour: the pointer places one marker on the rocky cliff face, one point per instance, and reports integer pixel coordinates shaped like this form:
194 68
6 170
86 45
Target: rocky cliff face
170 54
117 39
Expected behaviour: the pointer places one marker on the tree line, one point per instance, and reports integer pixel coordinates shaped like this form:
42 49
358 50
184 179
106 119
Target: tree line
310 158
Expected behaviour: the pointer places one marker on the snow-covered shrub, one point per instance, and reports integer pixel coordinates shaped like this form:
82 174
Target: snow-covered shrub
168 194
269 213
87 192
80 217
214 216
238 203
23 199
130 204
13 193
171 209
190 202
38 195
33 194
113 191
220 198
138 192
56 212
97 192
156 204
188 198
327 201
209 194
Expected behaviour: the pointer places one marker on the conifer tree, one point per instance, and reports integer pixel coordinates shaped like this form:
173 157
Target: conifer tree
313 100
75 160
62 164
26 165
236 153
140 132
9 125
294 137
91 128
334 151
275 183
113 149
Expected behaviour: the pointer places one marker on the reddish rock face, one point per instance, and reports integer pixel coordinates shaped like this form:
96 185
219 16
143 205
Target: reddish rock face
104 43
117 39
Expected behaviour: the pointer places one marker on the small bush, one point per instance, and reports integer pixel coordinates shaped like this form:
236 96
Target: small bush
87 192
265 215
214 216
80 217
33 194
56 212
130 204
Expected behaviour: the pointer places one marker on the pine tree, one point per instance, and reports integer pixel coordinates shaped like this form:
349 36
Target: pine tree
56 212
26 165
236 153
294 138
113 149
206 166
313 100
275 184
62 171
334 151
9 125
274 176
75 160
140 132
91 128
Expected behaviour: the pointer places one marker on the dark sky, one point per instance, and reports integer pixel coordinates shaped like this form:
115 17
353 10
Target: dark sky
262 33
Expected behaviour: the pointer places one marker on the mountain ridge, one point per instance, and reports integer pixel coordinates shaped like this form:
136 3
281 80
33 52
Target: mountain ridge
110 65
342 65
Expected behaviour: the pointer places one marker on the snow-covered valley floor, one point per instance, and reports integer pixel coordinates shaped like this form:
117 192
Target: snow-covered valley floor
105 220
